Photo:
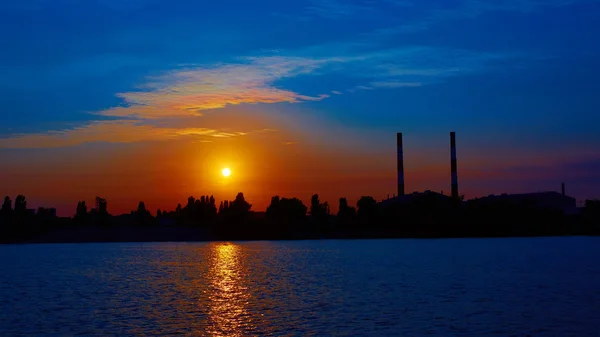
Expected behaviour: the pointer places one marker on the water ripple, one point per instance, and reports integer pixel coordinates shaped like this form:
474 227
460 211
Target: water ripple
541 287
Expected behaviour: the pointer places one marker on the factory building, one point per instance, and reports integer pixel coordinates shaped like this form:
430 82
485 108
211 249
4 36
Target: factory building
402 197
541 200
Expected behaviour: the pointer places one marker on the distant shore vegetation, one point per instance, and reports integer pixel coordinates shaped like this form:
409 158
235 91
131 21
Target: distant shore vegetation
425 215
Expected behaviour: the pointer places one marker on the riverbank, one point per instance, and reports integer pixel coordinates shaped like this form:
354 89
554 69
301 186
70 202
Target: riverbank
190 234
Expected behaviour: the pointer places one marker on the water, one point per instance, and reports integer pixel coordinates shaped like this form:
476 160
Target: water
477 287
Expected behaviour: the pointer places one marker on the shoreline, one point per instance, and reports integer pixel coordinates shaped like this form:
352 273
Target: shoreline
195 235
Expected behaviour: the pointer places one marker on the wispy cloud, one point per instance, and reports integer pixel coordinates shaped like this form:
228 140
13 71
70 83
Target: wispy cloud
394 84
419 66
252 80
121 131
190 91
185 93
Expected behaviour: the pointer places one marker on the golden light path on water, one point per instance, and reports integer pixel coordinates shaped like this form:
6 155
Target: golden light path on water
228 296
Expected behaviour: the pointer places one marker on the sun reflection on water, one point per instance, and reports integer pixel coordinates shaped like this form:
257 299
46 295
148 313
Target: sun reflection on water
228 297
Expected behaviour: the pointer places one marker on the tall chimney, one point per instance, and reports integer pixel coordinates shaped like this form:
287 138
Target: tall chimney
400 165
453 165
563 189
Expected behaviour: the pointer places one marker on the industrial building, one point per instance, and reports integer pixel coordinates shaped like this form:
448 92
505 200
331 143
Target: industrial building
541 200
402 197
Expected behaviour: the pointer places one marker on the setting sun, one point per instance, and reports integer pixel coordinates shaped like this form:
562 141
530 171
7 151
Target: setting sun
226 172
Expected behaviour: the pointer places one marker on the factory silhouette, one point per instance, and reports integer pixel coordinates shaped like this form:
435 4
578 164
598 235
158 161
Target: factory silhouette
453 169
425 214
540 200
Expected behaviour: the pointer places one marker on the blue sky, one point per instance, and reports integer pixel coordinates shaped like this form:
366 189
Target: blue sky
516 76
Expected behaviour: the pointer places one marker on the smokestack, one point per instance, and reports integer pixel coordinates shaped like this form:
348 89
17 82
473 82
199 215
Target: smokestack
400 165
453 165
563 189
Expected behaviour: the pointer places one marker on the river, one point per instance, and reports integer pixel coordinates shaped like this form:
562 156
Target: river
446 287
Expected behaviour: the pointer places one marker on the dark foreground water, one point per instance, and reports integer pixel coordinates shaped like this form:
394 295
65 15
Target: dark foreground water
476 287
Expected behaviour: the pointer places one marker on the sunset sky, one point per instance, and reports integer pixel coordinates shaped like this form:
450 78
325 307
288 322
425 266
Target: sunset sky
150 99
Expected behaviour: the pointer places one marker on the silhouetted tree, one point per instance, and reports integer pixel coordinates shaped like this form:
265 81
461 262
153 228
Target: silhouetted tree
191 201
367 210
346 214
81 212
102 206
285 214
45 218
20 204
208 210
189 211
6 218
240 204
179 215
158 213
6 211
200 212
319 212
20 221
212 207
143 215
141 208
102 209
7 205
236 212
343 204
273 210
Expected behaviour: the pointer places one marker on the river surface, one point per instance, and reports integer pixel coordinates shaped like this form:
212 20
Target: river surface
454 287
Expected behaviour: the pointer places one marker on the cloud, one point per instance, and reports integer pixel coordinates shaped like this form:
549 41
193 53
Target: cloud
181 95
121 131
394 84
190 91
418 66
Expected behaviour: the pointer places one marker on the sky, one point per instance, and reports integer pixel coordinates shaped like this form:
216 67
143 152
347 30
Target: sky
148 100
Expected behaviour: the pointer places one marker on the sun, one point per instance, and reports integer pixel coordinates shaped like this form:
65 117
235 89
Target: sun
226 172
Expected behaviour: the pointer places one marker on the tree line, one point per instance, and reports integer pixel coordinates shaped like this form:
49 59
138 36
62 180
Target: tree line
426 215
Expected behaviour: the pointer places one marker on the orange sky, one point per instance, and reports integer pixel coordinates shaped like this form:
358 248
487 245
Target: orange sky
267 157
152 109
